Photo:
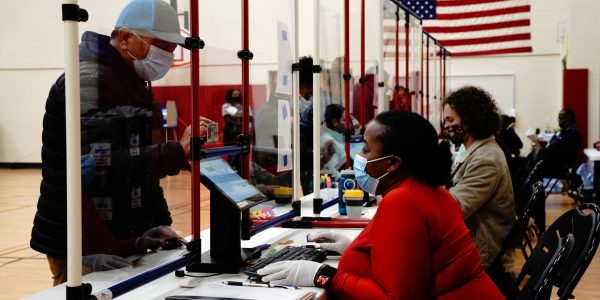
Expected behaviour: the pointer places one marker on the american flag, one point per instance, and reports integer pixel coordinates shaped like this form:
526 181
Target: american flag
468 27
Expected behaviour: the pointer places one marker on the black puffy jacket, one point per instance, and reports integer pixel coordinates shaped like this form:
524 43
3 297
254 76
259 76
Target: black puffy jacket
108 83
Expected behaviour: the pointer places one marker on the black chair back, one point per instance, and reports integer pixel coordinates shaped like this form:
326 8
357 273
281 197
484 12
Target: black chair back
543 266
516 238
532 176
584 223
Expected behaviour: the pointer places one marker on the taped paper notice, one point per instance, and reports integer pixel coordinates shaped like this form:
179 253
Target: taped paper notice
284 60
284 136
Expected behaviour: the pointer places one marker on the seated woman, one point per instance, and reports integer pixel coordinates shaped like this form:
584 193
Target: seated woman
333 155
480 178
417 245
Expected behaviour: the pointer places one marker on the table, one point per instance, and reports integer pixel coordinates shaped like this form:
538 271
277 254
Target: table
169 284
594 155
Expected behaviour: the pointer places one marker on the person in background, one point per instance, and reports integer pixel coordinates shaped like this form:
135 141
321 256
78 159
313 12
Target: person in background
124 209
481 180
333 154
558 155
232 114
417 245
561 151
510 143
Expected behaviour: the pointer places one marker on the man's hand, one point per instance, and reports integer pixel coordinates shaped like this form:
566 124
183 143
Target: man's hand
154 238
103 262
187 135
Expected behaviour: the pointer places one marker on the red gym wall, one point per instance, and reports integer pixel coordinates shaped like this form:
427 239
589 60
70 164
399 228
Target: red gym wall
575 96
211 99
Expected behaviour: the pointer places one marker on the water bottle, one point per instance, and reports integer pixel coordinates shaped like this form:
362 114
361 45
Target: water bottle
346 182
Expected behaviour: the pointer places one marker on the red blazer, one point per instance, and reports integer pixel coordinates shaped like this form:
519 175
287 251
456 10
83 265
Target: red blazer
416 247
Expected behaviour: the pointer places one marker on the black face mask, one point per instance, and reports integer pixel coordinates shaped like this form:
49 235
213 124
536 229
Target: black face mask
236 100
455 134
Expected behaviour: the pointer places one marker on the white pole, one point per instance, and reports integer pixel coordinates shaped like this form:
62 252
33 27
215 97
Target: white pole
296 108
316 105
381 105
73 133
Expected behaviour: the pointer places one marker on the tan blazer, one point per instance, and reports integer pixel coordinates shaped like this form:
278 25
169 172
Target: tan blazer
482 186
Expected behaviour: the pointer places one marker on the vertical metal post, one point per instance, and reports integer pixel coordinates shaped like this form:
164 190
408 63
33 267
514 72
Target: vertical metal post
296 108
422 93
347 78
444 75
246 99
407 57
427 82
381 105
73 132
195 83
362 81
317 110
397 80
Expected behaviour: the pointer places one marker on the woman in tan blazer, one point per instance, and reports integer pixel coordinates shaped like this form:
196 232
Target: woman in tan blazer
480 178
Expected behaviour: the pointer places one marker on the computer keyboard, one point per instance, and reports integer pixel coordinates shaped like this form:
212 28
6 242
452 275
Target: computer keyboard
287 253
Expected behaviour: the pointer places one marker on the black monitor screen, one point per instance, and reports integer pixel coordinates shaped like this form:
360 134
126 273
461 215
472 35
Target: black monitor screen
229 182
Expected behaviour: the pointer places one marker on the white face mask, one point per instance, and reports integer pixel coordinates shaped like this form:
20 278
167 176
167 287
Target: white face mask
156 64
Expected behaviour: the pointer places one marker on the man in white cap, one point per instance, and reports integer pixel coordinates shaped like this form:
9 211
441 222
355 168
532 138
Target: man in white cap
124 210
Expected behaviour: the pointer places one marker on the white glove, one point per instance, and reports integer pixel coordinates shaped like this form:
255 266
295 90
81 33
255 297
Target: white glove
329 240
290 272
104 262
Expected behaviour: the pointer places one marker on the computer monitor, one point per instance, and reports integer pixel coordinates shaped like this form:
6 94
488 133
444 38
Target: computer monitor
223 178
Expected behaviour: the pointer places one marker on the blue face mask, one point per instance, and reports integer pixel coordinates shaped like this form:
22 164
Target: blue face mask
364 180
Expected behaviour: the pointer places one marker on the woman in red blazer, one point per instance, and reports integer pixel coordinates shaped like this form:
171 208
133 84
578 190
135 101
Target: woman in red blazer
417 245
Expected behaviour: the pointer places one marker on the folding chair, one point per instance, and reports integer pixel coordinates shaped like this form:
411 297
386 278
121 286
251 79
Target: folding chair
584 223
542 267
516 238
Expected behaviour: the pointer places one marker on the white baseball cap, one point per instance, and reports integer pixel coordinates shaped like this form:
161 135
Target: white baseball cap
155 17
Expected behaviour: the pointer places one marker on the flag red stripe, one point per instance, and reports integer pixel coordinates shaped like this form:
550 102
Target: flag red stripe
464 2
495 51
486 40
455 29
484 13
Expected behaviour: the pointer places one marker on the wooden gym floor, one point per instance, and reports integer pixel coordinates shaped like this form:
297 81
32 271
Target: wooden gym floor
24 271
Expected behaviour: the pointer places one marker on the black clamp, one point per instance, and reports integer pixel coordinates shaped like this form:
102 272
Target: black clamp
72 12
427 95
381 84
244 141
317 205
295 67
347 76
362 80
317 69
194 43
348 135
296 208
196 144
84 291
421 93
245 54
397 88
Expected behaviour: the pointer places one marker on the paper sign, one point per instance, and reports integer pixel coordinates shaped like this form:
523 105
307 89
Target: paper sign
284 60
284 136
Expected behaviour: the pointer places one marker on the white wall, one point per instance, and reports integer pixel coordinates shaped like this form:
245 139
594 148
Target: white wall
584 52
35 58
